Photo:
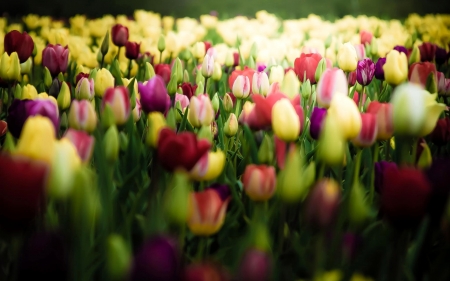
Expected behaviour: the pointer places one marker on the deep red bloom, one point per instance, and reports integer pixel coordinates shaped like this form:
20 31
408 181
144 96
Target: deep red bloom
404 196
441 133
427 51
119 35
22 189
164 71
55 58
21 43
306 65
132 50
205 272
188 89
81 75
236 59
180 151
247 72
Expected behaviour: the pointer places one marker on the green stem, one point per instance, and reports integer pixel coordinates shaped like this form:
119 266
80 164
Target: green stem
360 100
357 165
130 63
238 108
376 152
206 86
201 252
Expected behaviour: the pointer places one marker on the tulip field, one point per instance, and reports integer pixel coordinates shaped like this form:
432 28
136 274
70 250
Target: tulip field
241 149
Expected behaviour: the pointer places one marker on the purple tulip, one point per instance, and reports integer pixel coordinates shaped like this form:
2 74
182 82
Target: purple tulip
256 265
222 189
401 49
261 66
365 71
154 96
379 72
440 55
159 259
380 169
350 244
55 58
317 118
20 110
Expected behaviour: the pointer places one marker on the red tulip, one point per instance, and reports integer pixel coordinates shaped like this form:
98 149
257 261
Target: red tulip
22 189
55 58
259 182
180 151
3 128
83 142
331 82
247 72
21 43
305 66
365 37
207 46
164 71
119 35
132 50
368 134
385 124
419 72
188 89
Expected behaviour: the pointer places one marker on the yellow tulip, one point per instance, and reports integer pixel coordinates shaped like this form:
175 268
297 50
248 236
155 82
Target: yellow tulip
31 21
209 166
331 149
156 122
10 67
347 58
29 92
396 68
346 115
102 81
285 121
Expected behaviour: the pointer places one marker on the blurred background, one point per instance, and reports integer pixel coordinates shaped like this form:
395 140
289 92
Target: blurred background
227 8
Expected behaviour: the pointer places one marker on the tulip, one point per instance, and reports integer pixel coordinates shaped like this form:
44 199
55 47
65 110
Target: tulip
347 57
332 82
260 83
119 100
360 51
248 72
241 87
21 43
82 116
441 133
29 92
231 126
276 74
322 204
256 265
208 66
346 115
438 176
209 166
365 37
64 97
419 72
22 191
119 35
396 68
259 182
181 103
199 50
118 257
158 259
352 78
163 70
291 85
316 122
154 96
379 72
84 89
331 147
83 143
365 72
205 272
414 56
10 67
228 102
415 110
305 67
217 72
137 111
368 134
44 256
380 171
206 212
111 144
201 112
401 49
385 126
132 50
180 151
441 83
37 140
188 89
26 67
102 81
285 121
156 123
409 186
55 58
427 51
440 55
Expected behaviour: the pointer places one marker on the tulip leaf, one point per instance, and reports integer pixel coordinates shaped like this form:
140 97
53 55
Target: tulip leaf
221 144
252 144
184 120
115 71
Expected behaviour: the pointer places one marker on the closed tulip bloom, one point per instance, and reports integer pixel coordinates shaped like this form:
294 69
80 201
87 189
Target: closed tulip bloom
259 182
188 89
379 72
82 116
427 51
29 92
248 72
276 74
260 83
331 148
291 85
365 37
156 123
415 110
85 89
332 82
208 66
64 97
206 212
21 43
352 77
201 112
346 114
102 81
132 50
441 83
365 71
414 56
154 95
199 50
10 67
419 72
55 58
119 35
322 204
256 265
118 99
241 87
440 55
163 70
83 143
404 197
305 67
316 122
368 134
347 58
360 51
385 125
285 121
209 166
396 68
37 140
231 126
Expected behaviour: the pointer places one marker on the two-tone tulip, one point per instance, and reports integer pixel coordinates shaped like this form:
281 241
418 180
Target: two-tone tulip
369 129
118 99
385 125
305 67
85 89
83 143
209 166
241 87
332 82
82 116
259 182
55 58
201 112
322 204
420 71
260 83
365 71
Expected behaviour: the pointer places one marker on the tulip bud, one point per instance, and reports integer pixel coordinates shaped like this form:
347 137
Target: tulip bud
156 123
241 87
206 134
25 68
172 86
149 71
64 97
200 89
322 204
276 74
186 77
85 89
358 210
177 198
217 72
259 182
347 57
290 85
119 101
111 144
17 93
82 116
321 67
260 83
118 257
415 55
285 121
105 45
374 46
215 102
208 66
47 78
171 119
177 69
29 92
231 126
290 188
161 44
102 81
331 147
431 85
201 112
395 68
10 67
332 82
265 152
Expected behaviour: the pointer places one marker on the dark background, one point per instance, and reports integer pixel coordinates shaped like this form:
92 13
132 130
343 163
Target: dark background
226 8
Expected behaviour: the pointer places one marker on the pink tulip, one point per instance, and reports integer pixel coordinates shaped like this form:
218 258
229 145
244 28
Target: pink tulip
55 58
332 81
368 134
83 142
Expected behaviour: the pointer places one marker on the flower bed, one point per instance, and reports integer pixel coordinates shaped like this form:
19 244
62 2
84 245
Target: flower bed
241 149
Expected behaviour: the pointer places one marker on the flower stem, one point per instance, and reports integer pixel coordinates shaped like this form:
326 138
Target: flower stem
129 68
376 152
238 108
357 165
